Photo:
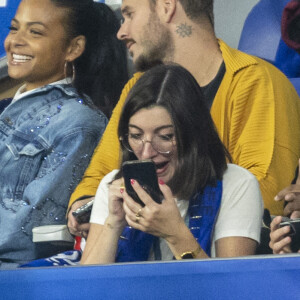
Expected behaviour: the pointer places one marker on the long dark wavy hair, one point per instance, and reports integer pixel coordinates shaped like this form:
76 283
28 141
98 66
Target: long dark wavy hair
202 157
101 71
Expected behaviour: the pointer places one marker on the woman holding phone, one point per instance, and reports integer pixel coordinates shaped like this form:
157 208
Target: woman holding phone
209 208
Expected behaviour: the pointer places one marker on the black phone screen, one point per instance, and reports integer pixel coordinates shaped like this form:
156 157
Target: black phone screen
144 172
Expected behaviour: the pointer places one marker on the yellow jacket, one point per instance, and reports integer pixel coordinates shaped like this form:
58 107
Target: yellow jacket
257 114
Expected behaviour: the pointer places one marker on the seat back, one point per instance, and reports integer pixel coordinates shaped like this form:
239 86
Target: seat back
261 36
287 60
296 83
261 32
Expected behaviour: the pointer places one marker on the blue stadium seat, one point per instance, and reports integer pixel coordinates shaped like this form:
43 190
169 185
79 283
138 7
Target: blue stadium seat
262 29
287 60
261 36
296 83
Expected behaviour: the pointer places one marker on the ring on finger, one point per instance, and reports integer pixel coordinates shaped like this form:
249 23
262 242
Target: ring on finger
138 214
137 219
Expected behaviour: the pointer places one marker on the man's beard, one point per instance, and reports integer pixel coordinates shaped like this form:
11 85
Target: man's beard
158 46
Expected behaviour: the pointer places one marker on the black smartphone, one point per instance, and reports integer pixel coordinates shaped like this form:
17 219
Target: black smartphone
83 213
144 172
294 232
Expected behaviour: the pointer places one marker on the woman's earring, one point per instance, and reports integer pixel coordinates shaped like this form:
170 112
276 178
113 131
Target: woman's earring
67 73
73 72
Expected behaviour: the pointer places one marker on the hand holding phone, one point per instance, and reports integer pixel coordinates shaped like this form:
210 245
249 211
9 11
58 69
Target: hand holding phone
144 172
294 232
83 213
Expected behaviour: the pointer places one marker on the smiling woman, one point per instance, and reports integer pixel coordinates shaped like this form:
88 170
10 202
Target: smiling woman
66 53
37 47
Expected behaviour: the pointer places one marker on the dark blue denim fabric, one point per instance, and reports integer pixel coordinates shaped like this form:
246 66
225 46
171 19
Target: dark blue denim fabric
46 141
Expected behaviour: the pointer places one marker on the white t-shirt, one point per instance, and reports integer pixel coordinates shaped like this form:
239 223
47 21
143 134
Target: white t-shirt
240 212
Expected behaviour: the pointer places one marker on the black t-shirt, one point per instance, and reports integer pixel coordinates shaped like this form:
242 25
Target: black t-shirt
211 89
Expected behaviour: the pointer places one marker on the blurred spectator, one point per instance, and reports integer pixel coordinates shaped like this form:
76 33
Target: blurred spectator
280 239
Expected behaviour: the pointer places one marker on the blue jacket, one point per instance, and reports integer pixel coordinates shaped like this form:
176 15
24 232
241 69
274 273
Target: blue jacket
46 141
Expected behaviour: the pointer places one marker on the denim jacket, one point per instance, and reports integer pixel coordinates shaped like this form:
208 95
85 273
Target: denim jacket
46 141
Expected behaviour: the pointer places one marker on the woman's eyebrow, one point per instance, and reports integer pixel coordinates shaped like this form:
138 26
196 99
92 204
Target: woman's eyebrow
163 127
134 126
156 130
30 23
37 23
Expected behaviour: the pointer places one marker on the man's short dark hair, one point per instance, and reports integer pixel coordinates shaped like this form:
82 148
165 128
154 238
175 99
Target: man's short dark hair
195 9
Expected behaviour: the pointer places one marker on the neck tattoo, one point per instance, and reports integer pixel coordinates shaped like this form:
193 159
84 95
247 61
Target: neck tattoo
184 30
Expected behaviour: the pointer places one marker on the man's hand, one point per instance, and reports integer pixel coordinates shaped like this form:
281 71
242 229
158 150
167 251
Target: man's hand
280 241
291 195
74 227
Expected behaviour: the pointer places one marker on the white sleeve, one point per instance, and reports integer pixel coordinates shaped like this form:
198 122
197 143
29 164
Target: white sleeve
241 207
100 206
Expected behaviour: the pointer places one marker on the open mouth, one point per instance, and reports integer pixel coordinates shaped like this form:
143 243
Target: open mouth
17 58
129 44
161 167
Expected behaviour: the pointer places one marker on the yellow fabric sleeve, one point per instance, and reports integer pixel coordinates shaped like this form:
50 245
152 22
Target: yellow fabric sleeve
106 156
257 114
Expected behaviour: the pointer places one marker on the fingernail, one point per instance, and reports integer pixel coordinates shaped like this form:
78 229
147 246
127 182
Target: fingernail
132 181
276 198
121 190
160 181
